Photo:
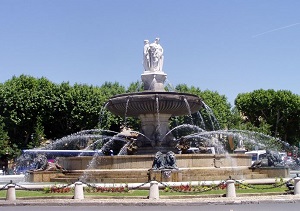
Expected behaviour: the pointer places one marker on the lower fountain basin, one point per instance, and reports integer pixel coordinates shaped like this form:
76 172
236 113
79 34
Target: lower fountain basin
136 169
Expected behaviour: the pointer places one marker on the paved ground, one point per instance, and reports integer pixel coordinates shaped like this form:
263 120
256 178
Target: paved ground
154 202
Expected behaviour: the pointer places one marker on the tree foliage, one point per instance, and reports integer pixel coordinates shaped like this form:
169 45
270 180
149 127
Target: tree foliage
37 109
6 148
23 100
279 109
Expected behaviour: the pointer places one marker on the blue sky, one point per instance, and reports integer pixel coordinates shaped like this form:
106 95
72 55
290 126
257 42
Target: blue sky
232 46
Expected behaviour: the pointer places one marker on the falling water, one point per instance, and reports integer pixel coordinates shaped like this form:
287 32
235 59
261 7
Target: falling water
189 110
157 118
123 150
193 128
102 114
249 138
202 123
92 164
211 115
93 134
126 109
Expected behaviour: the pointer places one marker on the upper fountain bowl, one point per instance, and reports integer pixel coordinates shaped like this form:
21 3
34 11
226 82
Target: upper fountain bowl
173 103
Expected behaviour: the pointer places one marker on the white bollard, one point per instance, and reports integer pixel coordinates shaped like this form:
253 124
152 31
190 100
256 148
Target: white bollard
297 186
154 191
78 193
11 192
230 188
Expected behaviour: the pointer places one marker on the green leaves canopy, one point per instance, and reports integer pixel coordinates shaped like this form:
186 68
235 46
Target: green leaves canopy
279 109
34 109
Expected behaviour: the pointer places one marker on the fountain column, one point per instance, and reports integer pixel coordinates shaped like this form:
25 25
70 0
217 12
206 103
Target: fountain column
156 129
155 126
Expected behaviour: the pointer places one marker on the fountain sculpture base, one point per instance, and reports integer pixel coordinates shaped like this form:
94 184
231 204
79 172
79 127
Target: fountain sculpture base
165 175
154 81
135 169
43 176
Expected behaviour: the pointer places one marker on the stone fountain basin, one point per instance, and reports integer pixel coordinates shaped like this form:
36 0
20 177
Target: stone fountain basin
146 161
173 103
135 169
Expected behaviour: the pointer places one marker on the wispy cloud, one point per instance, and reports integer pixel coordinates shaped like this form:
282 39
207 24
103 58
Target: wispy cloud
273 30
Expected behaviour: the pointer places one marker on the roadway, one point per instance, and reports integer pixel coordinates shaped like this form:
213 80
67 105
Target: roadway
207 207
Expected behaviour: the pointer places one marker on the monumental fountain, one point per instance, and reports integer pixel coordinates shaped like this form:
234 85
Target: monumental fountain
141 153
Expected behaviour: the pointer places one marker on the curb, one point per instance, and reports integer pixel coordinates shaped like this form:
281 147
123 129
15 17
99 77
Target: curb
163 201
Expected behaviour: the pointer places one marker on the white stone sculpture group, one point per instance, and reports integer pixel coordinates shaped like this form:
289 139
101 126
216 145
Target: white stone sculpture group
153 56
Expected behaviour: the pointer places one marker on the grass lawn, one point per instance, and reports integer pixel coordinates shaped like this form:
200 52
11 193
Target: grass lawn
144 193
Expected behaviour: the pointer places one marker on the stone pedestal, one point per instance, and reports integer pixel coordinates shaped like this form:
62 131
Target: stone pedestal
154 81
42 176
166 175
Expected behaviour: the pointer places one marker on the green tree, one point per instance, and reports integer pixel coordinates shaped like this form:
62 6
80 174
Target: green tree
75 108
22 100
5 146
108 120
38 136
278 109
135 87
238 123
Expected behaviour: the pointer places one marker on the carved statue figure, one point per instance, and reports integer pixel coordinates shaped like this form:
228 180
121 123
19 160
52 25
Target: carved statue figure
170 160
159 53
159 161
132 147
183 145
53 167
162 161
273 157
153 56
257 164
146 59
203 148
41 164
